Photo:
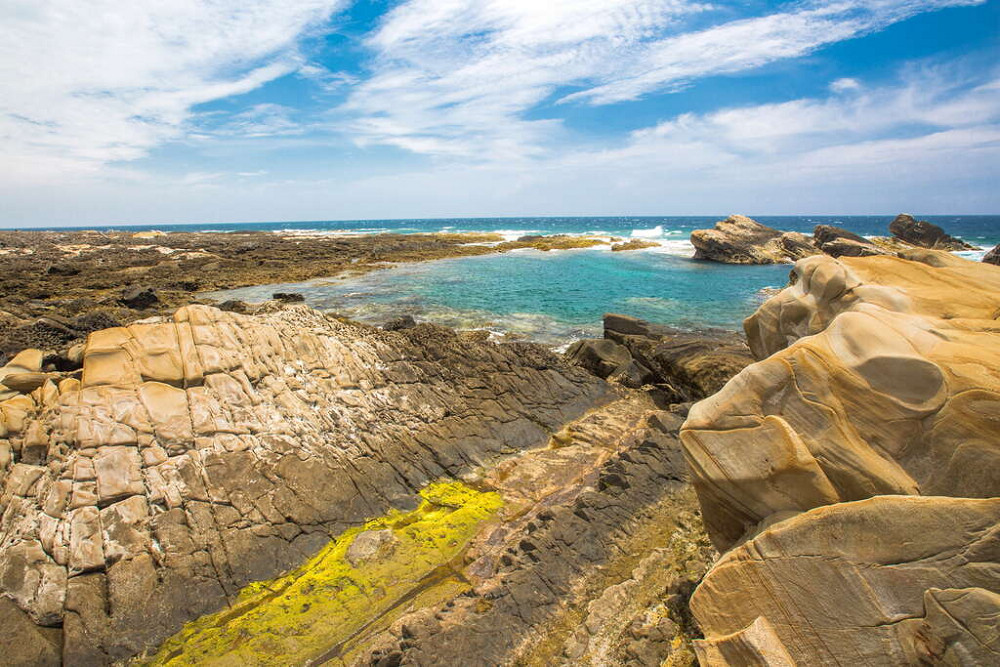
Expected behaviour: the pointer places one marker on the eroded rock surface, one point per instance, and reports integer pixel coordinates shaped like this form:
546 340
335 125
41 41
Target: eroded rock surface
198 453
925 234
678 365
892 580
853 472
742 240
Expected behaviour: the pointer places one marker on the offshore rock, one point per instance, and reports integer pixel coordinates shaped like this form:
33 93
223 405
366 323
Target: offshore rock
200 452
741 240
896 580
883 378
838 242
924 234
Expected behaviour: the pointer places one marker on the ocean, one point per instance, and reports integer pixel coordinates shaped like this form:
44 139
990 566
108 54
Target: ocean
559 296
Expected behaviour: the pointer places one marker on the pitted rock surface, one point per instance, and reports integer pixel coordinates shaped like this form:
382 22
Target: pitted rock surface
198 453
853 474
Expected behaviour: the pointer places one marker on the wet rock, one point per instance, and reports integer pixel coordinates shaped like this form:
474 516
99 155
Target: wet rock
139 297
924 234
288 297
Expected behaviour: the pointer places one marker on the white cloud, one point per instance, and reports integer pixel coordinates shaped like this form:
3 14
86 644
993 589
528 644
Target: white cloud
87 83
845 85
459 77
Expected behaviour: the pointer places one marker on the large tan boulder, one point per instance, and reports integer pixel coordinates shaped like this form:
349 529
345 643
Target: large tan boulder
884 378
892 580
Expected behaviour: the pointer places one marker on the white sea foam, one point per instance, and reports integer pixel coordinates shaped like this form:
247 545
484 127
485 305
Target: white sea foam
654 233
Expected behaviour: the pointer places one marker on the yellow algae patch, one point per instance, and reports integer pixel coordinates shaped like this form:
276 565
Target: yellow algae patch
312 611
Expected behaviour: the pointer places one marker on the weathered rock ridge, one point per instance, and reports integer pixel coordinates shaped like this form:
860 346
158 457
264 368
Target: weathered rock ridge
925 234
741 240
853 473
197 453
678 366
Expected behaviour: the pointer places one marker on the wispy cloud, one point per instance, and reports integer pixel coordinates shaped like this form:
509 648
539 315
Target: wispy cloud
83 84
459 77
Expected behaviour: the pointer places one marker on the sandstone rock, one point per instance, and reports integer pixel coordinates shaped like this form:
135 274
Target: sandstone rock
859 583
686 365
210 449
884 378
21 373
924 234
838 242
993 256
741 240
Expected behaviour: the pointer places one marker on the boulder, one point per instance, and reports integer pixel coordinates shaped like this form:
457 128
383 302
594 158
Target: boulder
139 297
838 242
288 297
685 365
400 323
741 240
924 234
864 388
993 256
897 580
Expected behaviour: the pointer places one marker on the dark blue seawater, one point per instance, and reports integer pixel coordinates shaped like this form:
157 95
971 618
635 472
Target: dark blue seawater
559 296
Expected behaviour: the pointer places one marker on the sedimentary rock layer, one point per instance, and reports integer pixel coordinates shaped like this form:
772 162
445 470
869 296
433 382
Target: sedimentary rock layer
201 452
741 240
854 473
884 378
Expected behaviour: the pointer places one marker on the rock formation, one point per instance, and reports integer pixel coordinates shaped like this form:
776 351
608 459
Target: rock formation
740 240
681 366
838 242
993 256
198 453
879 383
924 234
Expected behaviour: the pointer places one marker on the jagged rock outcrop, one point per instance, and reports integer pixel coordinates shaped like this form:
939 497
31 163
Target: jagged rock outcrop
993 256
924 234
195 454
680 365
741 240
879 376
838 242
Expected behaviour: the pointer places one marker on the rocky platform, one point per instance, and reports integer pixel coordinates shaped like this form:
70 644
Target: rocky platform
196 454
852 475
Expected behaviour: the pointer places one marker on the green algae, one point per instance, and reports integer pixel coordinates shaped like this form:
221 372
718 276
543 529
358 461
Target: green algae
309 613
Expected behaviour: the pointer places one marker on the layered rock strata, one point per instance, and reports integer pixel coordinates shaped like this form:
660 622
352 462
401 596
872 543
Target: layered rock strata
925 234
879 379
198 453
741 240
679 366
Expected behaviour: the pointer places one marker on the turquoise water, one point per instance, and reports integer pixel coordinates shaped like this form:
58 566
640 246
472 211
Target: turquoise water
559 296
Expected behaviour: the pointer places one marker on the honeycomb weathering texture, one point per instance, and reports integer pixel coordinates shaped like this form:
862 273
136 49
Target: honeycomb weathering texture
202 452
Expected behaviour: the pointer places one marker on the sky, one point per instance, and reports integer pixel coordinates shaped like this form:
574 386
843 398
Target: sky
147 112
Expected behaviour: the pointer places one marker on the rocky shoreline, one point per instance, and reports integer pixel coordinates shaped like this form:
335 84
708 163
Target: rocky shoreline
205 485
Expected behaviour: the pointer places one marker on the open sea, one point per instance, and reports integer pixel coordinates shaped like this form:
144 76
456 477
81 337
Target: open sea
558 296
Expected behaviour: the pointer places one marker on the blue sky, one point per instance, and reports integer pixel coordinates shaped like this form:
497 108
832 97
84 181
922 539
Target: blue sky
249 110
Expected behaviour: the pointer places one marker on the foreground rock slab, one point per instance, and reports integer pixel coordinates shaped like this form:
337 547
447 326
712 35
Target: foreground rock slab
197 453
893 580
